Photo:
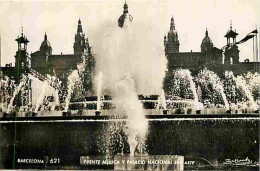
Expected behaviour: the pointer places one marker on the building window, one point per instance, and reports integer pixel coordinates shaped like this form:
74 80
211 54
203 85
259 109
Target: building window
231 60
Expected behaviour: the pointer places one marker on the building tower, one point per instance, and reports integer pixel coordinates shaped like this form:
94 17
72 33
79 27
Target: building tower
171 42
80 42
206 43
231 50
22 59
125 17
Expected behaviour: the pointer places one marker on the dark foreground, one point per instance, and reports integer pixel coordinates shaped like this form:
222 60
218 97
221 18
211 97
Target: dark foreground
206 141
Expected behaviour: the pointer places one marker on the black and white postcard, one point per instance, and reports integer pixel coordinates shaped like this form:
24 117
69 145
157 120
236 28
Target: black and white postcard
129 85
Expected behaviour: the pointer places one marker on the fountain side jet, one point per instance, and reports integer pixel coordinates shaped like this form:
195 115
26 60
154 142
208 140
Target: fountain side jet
125 16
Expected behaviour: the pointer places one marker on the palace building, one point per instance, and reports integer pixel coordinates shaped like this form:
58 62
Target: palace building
211 57
43 62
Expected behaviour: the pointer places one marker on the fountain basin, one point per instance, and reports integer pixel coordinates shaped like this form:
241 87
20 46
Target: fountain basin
212 137
110 112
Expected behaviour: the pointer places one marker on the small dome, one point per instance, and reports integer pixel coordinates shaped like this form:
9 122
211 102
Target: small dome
206 38
206 43
45 45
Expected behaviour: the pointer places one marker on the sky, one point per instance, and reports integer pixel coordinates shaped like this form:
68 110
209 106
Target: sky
59 20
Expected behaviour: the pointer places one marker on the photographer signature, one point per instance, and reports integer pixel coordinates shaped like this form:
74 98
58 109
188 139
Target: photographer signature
238 161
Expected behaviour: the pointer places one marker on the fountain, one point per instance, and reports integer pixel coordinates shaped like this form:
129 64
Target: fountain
186 94
49 88
128 105
253 82
180 83
26 95
242 84
6 85
163 103
41 97
240 95
116 122
212 89
72 78
99 82
16 91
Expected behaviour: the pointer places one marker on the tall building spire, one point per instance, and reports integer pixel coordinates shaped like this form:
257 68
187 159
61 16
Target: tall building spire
79 44
79 27
171 42
45 36
172 27
22 30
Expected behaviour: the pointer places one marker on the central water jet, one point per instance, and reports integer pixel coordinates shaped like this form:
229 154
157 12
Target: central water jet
131 65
